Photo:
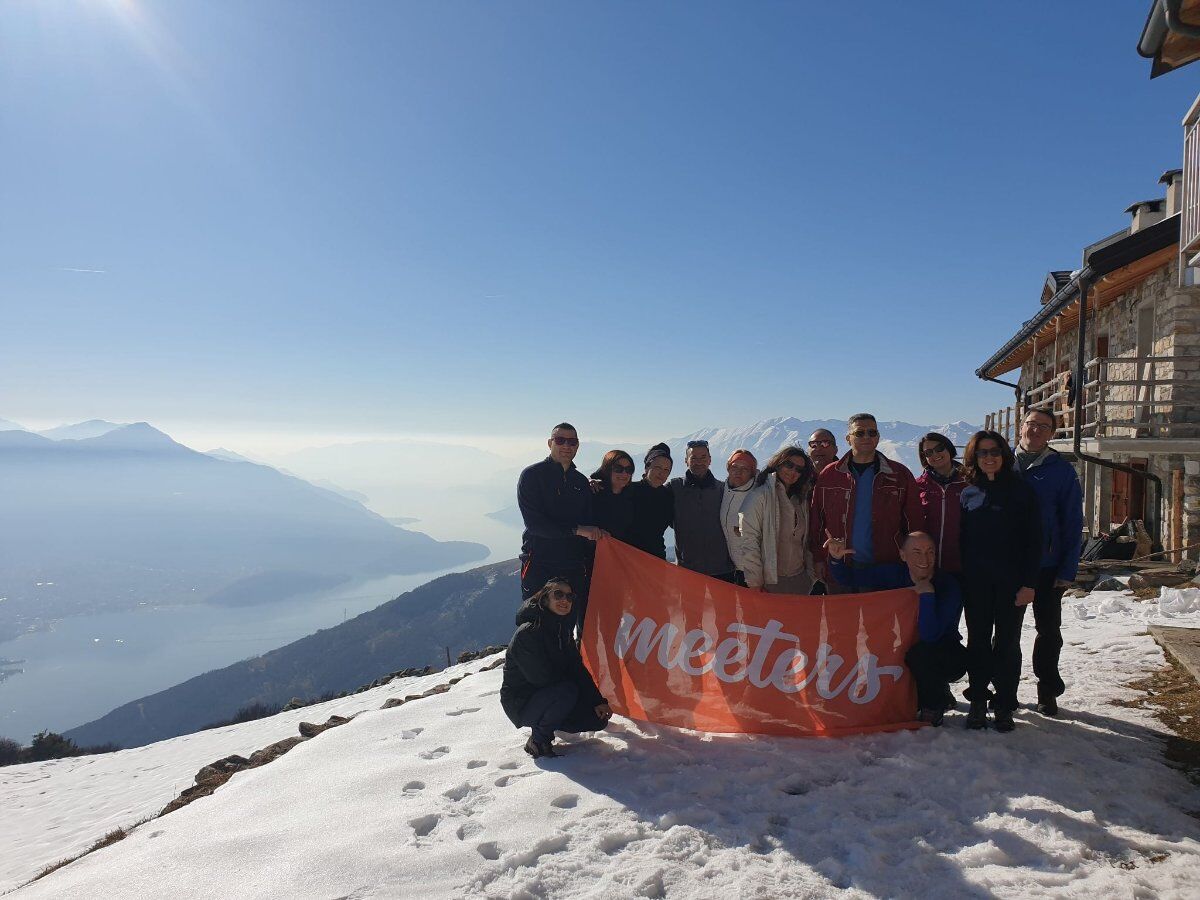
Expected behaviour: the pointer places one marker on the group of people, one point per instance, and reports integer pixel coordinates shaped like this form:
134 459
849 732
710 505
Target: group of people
991 534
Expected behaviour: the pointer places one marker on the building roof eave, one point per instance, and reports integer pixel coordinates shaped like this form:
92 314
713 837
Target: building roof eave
1100 262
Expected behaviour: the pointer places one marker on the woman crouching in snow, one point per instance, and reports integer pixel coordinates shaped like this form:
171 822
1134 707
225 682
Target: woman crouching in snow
546 685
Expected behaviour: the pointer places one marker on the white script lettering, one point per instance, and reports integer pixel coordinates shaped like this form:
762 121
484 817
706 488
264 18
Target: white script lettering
789 673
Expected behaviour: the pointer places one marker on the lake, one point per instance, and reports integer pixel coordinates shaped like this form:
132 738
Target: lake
89 665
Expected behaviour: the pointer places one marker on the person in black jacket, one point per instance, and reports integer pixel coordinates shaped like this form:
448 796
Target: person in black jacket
1001 544
546 686
653 503
556 506
612 502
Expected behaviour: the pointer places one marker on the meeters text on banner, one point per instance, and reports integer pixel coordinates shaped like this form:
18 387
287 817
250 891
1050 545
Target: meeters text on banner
671 646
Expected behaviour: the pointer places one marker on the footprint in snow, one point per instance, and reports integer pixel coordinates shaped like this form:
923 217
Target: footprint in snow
468 830
461 792
506 780
410 733
489 850
422 825
510 765
796 787
566 801
435 753
476 763
414 787
459 712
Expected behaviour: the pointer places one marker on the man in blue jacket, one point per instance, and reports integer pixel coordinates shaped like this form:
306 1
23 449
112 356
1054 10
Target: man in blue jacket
556 506
939 657
1060 502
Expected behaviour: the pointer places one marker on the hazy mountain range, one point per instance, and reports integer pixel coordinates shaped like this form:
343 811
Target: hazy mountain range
463 611
129 516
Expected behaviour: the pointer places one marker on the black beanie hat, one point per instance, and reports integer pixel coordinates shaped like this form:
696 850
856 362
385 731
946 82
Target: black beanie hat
655 452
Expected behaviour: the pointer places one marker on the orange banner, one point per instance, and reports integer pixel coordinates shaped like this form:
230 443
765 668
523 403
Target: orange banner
668 645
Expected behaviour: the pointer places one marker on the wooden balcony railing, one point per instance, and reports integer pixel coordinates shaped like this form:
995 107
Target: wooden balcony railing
1124 397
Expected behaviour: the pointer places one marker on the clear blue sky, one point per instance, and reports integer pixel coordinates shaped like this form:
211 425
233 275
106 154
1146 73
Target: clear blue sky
486 217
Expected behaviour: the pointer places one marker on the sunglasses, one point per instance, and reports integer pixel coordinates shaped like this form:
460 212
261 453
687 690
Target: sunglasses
934 451
869 432
619 469
561 441
737 467
694 444
793 467
1038 426
985 452
558 594
814 444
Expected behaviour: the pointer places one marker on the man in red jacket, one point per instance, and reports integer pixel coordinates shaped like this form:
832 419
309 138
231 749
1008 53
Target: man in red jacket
864 505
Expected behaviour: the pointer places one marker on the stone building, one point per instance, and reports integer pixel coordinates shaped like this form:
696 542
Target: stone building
1114 349
1133 430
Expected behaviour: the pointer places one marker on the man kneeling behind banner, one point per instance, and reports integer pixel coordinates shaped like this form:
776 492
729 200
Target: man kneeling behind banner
671 646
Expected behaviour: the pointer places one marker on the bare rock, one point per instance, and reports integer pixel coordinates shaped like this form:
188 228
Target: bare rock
393 702
1152 578
225 766
274 751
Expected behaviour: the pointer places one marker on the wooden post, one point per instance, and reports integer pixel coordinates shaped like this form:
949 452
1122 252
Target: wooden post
1008 416
1101 386
1177 514
447 657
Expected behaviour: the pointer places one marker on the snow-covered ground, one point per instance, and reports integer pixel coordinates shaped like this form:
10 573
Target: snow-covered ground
436 799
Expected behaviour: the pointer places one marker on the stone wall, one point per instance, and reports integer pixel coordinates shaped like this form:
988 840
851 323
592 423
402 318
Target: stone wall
1176 332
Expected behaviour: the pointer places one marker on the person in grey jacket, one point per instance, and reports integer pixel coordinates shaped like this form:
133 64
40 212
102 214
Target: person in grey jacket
699 538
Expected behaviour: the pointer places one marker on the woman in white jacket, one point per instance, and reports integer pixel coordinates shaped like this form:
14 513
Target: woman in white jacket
774 526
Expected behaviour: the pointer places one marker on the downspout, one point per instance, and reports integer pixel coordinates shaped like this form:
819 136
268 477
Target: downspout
1080 371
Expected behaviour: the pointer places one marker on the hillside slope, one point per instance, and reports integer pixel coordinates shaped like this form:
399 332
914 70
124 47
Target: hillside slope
436 799
462 611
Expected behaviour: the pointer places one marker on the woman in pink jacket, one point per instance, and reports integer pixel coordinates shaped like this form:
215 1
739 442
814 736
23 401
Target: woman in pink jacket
939 487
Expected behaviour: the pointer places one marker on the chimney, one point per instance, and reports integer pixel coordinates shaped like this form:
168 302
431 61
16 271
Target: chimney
1145 213
1173 179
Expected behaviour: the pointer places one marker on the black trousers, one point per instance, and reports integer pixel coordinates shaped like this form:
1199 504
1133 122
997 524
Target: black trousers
934 664
558 707
535 574
1047 646
993 641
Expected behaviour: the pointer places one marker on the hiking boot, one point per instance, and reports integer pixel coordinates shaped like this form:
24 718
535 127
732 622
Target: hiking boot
949 702
533 748
1048 707
1004 720
977 716
931 716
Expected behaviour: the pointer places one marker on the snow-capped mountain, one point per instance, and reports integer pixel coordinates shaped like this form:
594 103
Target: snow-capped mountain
434 798
6 425
897 440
